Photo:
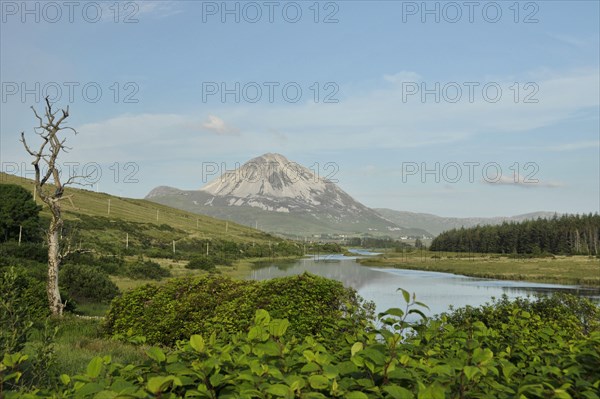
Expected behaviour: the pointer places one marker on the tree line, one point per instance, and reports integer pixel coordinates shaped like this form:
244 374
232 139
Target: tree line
566 235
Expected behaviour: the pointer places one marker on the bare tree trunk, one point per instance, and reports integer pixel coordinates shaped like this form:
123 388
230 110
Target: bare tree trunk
54 259
50 147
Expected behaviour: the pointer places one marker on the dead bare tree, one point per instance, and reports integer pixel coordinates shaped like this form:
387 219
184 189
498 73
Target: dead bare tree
50 190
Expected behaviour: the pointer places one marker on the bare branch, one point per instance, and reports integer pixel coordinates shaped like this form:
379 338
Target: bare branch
26 146
39 118
50 148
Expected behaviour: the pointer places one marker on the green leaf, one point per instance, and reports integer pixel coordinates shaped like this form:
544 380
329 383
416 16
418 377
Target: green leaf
106 395
405 294
295 382
88 389
356 395
314 395
442 369
197 343
482 356
375 355
318 381
280 390
269 348
310 367
434 391
562 394
262 317
65 379
357 347
158 384
278 327
470 372
157 354
397 392
392 312
13 376
345 368
94 367
417 311
216 379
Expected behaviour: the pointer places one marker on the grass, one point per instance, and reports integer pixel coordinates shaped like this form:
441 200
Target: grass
176 267
92 309
239 269
242 267
79 340
142 214
581 270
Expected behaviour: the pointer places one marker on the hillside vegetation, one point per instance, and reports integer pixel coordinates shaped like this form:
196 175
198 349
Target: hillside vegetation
148 224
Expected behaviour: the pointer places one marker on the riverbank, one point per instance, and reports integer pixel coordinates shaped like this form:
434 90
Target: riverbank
241 268
571 270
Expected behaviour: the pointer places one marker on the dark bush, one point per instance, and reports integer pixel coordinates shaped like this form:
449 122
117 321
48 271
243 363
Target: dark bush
201 263
208 262
87 283
27 250
110 264
19 214
146 270
212 303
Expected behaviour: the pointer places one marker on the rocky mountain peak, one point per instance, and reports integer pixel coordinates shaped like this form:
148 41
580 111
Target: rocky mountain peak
269 175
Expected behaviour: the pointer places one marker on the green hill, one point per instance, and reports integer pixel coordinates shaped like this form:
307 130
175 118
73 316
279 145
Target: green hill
105 222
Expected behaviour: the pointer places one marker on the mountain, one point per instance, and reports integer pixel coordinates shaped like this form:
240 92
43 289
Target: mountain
280 196
437 224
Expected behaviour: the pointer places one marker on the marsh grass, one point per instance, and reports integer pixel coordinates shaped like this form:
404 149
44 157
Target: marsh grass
581 270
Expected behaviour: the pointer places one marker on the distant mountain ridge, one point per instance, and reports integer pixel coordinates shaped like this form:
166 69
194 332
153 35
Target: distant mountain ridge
280 196
437 224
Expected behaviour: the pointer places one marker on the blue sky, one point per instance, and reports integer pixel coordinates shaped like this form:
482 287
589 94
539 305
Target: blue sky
415 87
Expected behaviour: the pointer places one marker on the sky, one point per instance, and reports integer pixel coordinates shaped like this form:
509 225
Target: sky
452 108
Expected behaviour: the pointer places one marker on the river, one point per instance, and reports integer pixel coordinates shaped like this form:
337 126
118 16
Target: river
437 290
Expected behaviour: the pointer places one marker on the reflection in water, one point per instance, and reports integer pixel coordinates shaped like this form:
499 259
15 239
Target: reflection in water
437 290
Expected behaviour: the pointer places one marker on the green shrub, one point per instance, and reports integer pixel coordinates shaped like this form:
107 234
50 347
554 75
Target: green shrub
219 304
516 359
201 263
24 313
22 303
113 265
87 283
146 270
573 314
110 264
19 214
208 262
27 250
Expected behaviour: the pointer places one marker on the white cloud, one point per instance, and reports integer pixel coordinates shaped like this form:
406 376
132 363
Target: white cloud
560 147
135 11
158 8
372 120
579 145
520 181
569 39
218 125
403 76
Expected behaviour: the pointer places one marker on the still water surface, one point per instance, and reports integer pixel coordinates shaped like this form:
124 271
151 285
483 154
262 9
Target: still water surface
437 290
